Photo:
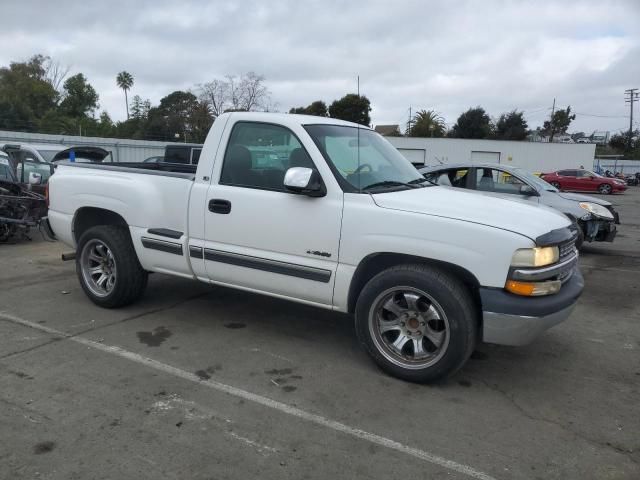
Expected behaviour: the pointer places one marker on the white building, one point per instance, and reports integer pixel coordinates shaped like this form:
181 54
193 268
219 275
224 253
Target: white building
534 156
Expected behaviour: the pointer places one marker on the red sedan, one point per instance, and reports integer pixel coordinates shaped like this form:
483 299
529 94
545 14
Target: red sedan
584 181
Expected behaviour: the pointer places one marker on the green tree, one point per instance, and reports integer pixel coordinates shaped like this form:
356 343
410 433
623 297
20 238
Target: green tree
559 123
317 108
25 94
427 123
619 142
79 98
352 108
125 82
511 126
474 123
200 121
139 107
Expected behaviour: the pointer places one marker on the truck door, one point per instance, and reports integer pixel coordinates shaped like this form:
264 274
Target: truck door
258 235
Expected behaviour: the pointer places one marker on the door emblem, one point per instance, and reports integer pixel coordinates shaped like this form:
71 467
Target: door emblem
318 253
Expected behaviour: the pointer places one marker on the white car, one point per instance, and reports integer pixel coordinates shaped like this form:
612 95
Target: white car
333 217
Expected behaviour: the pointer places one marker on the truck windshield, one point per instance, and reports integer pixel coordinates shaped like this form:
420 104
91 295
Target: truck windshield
363 160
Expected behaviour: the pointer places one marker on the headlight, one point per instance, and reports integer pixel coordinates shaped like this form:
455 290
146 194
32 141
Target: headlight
596 209
535 257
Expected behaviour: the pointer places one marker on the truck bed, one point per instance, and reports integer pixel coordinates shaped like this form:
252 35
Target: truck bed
164 169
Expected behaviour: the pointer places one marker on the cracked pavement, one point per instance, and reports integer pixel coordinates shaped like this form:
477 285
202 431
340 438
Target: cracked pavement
564 407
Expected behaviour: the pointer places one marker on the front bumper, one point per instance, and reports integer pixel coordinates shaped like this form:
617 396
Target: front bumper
514 320
599 230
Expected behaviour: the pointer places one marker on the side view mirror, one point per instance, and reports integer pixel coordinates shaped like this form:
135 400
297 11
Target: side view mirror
528 190
35 178
304 181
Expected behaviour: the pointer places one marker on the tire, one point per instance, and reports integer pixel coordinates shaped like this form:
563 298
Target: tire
580 237
556 184
439 323
108 267
605 189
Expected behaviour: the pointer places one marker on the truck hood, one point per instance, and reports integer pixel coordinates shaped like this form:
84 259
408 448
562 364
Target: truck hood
529 220
577 197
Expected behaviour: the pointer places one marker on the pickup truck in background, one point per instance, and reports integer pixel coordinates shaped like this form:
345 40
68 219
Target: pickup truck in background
326 213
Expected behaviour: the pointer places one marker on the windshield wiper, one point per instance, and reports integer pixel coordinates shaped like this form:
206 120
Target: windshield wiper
419 181
389 183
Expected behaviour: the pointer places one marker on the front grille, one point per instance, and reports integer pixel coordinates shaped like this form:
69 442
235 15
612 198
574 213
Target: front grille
567 249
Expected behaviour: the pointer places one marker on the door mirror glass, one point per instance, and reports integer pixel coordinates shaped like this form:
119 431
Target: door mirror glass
305 181
35 178
528 190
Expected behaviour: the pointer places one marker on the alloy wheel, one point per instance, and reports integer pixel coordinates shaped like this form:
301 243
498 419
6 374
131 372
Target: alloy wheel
409 327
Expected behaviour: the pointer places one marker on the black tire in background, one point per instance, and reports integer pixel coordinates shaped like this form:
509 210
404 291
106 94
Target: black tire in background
107 249
439 295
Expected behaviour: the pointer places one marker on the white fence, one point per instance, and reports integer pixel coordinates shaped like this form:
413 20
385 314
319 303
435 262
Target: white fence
122 150
601 165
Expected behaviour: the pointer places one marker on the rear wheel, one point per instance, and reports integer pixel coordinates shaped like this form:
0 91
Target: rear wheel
418 323
108 267
605 189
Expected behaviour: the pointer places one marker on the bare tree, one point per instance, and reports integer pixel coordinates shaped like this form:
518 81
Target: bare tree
216 95
253 93
245 93
55 72
234 93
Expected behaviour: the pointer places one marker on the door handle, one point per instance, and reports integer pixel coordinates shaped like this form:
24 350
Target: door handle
217 205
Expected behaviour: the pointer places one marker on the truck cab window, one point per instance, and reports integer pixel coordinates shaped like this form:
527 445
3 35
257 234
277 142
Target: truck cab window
258 156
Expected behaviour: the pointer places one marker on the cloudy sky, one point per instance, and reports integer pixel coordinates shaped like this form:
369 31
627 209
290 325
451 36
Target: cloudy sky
446 56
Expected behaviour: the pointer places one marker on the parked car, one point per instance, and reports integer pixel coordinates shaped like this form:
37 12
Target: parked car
594 217
154 159
20 208
579 180
632 179
347 224
28 158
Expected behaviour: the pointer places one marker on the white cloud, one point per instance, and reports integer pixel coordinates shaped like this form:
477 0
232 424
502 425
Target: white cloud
497 54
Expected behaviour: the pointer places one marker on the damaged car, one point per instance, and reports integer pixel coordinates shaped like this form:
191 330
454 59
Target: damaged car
21 209
594 218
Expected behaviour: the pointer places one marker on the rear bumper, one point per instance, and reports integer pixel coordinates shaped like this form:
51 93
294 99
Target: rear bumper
46 226
514 320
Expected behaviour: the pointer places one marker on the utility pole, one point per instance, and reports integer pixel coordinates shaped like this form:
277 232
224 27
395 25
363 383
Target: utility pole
631 97
409 122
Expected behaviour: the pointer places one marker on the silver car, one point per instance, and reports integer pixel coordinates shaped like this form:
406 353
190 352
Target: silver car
596 218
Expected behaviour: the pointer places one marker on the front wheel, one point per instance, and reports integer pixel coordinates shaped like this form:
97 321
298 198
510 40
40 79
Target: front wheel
108 267
418 323
556 184
605 189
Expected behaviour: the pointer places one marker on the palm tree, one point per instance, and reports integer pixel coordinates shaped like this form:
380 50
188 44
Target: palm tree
125 82
427 123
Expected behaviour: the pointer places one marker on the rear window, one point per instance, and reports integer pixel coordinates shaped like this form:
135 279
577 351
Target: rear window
177 154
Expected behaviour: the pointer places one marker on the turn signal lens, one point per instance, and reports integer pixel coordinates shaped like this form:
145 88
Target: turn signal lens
535 257
533 289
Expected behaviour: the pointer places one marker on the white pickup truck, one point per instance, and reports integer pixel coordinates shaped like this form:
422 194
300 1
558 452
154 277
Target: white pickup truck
327 213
